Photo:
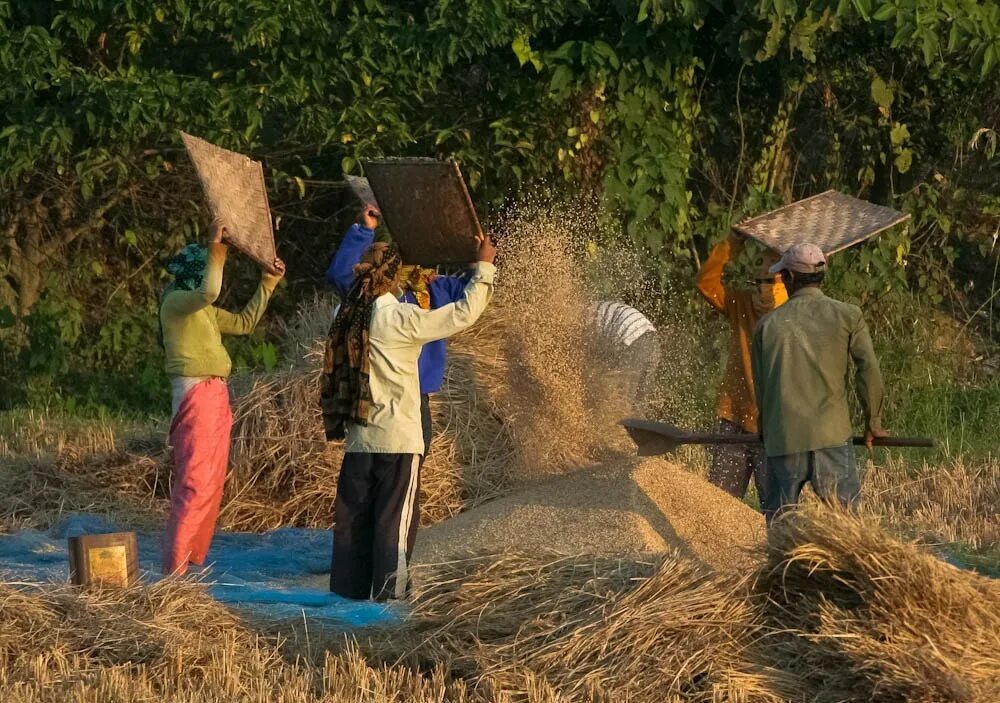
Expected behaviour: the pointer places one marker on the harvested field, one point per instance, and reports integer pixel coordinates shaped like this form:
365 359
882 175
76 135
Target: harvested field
837 610
626 507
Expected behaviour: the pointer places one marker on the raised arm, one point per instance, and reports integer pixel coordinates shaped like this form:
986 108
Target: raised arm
244 321
709 279
418 326
867 377
356 241
450 289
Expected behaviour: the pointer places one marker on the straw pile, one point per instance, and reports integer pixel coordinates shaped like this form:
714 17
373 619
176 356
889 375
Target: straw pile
590 628
872 618
839 612
621 508
171 642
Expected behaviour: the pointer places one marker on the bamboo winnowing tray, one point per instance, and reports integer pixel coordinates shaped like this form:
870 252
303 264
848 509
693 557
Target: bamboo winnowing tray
831 220
237 196
427 208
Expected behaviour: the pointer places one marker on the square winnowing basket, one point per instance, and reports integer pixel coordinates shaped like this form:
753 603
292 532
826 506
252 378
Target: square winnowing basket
428 209
362 189
831 220
237 196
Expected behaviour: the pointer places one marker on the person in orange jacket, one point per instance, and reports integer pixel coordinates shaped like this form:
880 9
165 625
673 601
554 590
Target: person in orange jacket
732 465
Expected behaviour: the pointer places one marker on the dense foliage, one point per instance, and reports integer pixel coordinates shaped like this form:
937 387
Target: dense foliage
678 116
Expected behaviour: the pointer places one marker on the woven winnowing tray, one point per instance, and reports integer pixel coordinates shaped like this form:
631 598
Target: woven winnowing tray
237 196
362 189
831 220
427 208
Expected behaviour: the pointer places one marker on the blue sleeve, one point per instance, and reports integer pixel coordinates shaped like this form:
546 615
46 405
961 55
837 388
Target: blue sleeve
356 241
449 289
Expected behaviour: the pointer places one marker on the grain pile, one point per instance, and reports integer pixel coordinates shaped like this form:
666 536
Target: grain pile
623 507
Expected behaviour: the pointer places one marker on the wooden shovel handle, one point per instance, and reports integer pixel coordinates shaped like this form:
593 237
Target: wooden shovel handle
753 439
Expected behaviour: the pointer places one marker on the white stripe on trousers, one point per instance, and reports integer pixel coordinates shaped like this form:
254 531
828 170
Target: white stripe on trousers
405 516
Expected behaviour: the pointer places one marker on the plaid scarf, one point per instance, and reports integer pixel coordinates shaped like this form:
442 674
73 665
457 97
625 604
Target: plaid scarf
345 388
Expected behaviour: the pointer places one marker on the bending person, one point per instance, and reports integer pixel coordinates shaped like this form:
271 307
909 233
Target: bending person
421 287
628 348
733 464
801 356
198 366
370 395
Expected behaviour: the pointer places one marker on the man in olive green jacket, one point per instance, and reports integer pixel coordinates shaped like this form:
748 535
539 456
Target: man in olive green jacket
800 357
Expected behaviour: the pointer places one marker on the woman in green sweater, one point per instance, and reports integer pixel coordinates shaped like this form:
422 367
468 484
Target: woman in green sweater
198 366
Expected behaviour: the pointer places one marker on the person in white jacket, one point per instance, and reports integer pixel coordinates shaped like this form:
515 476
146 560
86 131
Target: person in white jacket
370 397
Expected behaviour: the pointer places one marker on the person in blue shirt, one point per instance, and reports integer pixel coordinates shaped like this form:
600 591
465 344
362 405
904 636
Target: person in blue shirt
420 287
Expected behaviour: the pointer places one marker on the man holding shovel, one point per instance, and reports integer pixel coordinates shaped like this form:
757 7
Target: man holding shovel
800 357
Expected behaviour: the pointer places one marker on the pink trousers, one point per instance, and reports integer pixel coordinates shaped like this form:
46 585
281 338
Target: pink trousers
200 437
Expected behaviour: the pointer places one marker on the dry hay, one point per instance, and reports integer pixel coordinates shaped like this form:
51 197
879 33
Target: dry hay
625 507
590 628
840 611
171 642
128 487
867 617
953 502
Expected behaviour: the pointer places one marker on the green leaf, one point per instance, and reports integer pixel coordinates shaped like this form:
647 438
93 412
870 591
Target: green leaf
643 11
884 13
904 160
522 49
131 238
882 94
347 164
899 134
302 187
97 267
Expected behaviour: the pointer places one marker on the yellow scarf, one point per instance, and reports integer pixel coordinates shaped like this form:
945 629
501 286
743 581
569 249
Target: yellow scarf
415 279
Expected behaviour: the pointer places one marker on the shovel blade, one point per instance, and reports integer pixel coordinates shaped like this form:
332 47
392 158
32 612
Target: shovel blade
652 438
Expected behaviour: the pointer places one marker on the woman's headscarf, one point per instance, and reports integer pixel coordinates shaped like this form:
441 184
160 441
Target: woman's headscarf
188 267
345 390
416 279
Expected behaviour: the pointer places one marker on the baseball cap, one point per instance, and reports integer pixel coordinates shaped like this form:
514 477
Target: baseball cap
801 258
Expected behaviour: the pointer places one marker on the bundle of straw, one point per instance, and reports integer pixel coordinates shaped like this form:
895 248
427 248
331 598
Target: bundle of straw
590 628
877 619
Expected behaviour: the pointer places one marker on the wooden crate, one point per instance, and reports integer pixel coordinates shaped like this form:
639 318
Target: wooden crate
110 559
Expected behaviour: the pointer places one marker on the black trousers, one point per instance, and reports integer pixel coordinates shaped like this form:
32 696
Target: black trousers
376 515
425 421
